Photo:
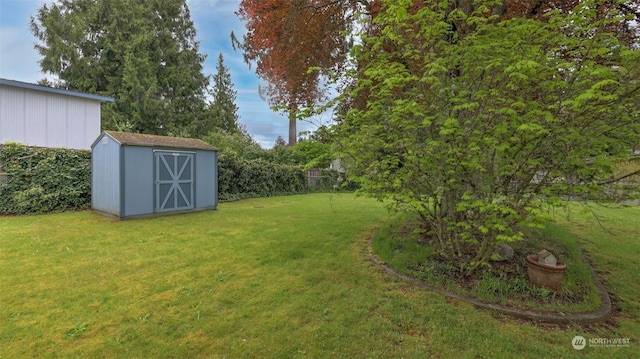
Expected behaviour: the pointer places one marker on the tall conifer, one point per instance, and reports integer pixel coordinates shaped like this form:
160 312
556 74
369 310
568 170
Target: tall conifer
141 52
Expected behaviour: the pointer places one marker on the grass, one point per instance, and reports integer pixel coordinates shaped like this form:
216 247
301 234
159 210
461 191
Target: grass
611 237
281 277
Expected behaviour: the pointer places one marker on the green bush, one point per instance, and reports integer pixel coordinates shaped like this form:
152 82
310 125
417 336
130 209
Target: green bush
240 178
44 179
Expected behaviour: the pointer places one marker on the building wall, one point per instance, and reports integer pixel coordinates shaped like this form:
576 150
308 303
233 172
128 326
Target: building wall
37 118
105 176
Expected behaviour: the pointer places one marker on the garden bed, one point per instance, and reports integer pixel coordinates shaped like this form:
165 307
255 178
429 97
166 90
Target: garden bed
504 284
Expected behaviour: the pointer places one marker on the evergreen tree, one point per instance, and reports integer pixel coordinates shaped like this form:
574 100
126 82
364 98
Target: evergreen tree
223 108
141 52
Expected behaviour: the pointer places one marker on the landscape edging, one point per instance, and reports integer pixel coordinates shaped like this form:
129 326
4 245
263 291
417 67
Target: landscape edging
599 315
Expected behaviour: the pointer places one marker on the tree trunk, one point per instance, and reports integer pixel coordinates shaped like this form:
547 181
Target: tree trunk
293 133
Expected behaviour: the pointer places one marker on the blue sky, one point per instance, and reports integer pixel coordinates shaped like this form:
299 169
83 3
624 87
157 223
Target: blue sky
214 21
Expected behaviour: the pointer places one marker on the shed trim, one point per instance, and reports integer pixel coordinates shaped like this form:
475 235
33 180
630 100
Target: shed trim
171 151
123 183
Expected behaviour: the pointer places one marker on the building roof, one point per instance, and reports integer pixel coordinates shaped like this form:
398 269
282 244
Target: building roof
30 86
139 139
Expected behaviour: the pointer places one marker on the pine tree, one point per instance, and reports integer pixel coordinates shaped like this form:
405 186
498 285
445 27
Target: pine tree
223 109
141 52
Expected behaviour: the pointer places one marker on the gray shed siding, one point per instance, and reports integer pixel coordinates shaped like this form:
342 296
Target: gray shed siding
105 177
206 169
45 117
124 178
137 181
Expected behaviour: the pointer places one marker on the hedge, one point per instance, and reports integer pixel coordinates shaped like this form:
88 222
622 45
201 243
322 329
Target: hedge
240 178
55 179
44 179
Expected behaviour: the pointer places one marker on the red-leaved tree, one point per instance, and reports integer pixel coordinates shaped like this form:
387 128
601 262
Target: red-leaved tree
297 44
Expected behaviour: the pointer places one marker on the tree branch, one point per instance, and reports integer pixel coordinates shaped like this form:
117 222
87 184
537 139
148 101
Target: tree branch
619 178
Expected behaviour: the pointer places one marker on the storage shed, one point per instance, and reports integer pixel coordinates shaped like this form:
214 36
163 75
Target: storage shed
138 175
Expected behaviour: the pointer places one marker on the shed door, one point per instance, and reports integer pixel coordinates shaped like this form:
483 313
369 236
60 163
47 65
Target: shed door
174 181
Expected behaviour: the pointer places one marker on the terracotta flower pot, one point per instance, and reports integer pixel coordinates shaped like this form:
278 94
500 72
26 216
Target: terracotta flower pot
543 275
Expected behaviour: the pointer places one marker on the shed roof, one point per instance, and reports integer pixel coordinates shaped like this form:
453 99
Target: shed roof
140 139
30 86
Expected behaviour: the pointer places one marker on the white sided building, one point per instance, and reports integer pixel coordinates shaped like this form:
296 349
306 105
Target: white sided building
43 116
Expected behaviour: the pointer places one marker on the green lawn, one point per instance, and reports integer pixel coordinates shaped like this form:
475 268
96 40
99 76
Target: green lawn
282 277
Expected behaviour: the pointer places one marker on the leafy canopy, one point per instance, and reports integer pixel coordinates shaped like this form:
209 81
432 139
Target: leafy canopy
295 44
471 120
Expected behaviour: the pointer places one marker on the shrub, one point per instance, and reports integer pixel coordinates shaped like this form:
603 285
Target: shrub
241 178
44 179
